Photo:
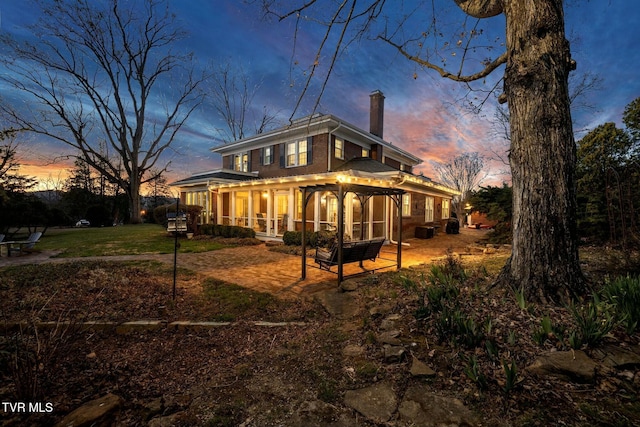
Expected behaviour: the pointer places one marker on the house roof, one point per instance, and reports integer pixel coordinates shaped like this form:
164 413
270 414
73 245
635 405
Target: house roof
220 175
365 164
313 125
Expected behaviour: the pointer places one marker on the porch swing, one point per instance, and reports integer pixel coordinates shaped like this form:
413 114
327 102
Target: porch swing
348 252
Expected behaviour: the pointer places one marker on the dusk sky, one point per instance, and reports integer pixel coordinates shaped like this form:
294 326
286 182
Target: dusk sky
423 112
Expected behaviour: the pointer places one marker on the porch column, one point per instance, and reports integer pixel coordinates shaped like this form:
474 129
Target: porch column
291 211
219 208
207 204
232 212
250 213
269 211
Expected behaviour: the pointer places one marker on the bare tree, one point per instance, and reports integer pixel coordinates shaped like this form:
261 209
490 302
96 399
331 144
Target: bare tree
10 179
537 63
8 162
95 72
464 173
233 94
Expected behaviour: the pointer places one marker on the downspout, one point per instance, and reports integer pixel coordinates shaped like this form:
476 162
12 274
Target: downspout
329 146
404 178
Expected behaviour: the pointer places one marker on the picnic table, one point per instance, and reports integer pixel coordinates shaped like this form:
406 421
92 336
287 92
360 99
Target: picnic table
20 245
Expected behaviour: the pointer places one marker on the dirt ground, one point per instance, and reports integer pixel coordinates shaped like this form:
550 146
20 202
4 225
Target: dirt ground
294 374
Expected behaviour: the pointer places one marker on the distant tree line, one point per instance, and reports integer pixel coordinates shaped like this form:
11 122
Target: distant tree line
85 194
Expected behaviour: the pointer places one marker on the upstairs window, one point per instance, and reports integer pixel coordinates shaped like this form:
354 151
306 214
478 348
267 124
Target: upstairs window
267 155
297 153
339 149
241 162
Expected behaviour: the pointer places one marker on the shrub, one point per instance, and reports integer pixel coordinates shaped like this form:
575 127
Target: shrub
292 238
594 321
228 231
624 294
315 239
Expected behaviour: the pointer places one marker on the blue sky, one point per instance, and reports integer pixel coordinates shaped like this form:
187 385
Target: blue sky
423 112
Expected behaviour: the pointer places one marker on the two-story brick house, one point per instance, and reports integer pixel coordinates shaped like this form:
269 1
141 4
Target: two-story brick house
261 177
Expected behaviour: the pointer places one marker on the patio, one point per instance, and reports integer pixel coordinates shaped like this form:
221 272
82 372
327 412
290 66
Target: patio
258 268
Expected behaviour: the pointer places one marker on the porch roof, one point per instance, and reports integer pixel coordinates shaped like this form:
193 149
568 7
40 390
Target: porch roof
358 189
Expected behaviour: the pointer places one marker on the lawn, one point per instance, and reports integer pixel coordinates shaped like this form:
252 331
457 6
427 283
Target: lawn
121 240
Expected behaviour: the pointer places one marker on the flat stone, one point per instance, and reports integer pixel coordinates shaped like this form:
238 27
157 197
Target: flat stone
380 310
390 322
617 357
421 408
316 413
420 369
393 353
389 337
339 304
353 351
378 402
139 325
92 412
167 421
349 286
186 325
566 365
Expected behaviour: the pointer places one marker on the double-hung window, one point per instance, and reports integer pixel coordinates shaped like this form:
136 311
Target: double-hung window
267 155
241 162
446 208
339 148
428 209
297 153
406 205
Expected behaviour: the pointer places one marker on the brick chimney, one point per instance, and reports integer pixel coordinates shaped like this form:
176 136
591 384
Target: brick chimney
376 113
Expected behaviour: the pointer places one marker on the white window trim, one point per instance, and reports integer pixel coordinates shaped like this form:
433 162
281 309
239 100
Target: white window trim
338 153
267 160
406 196
447 209
297 154
429 209
242 165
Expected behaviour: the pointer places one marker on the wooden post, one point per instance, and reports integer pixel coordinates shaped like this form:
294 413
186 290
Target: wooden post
304 233
340 230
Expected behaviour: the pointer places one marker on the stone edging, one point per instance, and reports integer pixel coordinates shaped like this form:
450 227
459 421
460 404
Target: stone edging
140 325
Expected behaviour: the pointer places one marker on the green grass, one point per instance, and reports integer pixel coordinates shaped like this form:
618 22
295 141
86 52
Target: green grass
122 240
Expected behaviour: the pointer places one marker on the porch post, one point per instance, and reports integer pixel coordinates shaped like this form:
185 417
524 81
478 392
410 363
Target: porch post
269 211
291 210
316 210
340 231
399 260
232 212
219 208
250 213
304 233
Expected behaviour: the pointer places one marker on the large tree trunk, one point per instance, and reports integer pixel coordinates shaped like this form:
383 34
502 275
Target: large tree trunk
545 260
135 207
